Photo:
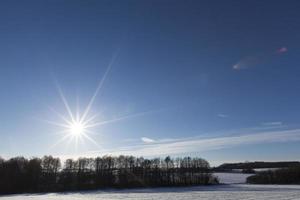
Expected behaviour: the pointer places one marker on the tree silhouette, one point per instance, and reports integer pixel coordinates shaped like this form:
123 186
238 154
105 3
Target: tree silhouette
19 175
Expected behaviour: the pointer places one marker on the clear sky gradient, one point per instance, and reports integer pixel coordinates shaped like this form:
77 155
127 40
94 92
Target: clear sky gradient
216 79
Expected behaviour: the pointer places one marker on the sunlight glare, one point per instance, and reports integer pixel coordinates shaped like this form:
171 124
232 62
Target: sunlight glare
77 128
77 125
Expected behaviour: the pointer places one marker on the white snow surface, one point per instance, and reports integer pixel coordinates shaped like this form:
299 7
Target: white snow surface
231 178
221 192
217 192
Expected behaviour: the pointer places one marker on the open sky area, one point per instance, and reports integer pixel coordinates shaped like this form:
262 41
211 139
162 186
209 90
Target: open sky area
215 79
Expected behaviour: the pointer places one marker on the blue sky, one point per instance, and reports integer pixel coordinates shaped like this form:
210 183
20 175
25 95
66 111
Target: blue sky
217 79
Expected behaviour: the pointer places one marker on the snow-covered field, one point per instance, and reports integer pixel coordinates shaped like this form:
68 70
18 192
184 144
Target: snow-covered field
220 192
232 178
223 192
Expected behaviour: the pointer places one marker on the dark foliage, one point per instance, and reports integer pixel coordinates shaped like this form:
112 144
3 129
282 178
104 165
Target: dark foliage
256 165
248 171
19 175
280 176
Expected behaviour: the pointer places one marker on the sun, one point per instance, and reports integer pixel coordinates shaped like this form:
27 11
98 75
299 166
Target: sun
77 125
77 128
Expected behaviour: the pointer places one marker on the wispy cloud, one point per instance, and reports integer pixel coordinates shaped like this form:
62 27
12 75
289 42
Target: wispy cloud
196 144
222 115
272 123
147 140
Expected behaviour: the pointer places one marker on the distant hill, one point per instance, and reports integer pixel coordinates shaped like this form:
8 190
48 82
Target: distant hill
256 165
280 176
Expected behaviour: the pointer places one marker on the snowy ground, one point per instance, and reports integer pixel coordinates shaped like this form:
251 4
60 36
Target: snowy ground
220 192
231 178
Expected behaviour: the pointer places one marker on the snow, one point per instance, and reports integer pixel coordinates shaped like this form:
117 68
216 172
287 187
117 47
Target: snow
266 169
226 191
222 192
255 169
231 178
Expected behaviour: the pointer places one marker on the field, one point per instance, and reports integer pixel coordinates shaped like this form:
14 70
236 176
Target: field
231 190
224 192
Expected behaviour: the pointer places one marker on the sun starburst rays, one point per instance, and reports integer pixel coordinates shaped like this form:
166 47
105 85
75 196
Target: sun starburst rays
74 131
78 126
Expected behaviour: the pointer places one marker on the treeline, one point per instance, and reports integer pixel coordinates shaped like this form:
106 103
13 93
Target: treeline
256 165
280 176
47 174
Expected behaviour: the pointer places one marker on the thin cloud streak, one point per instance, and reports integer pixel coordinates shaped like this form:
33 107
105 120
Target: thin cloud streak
272 123
147 140
183 146
222 115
